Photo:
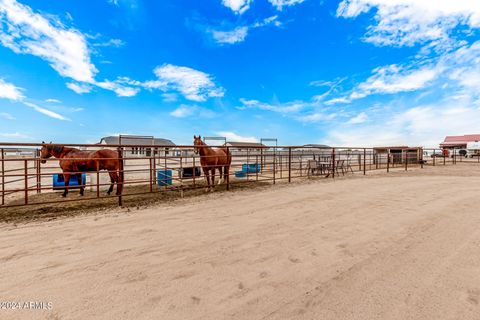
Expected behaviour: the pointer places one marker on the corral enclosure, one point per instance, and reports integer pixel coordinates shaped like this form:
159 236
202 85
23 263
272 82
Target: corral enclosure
23 179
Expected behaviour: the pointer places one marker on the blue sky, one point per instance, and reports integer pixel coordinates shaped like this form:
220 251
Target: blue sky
349 72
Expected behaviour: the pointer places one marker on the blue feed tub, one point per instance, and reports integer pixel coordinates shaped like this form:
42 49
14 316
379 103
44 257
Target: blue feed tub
59 181
164 177
240 174
251 168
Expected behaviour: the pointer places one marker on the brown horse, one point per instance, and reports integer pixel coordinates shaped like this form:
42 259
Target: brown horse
211 159
75 161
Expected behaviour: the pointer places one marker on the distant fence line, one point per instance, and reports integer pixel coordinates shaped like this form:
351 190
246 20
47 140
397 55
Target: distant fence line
177 168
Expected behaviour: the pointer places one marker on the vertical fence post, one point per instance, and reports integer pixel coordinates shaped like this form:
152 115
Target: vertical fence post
154 162
388 160
228 170
151 174
121 175
421 157
364 161
289 164
444 156
454 156
256 167
25 165
274 163
195 170
434 156
38 171
406 159
98 178
3 176
333 163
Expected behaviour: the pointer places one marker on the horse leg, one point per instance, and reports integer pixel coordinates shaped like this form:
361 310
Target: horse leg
66 179
206 173
213 180
226 171
220 170
80 183
113 179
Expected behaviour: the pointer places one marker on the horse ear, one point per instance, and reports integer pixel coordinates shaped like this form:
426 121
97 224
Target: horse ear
194 137
43 142
199 137
50 142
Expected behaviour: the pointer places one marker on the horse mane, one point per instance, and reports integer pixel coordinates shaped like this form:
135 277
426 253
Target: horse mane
57 149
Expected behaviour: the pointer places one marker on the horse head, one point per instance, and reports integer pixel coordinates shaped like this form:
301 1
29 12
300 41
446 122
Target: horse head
45 152
197 141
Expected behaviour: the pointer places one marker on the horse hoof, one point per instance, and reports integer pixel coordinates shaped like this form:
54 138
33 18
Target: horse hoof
64 195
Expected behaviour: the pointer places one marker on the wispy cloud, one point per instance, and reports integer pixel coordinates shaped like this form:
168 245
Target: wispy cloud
280 4
110 43
10 91
234 137
407 22
53 101
192 84
79 87
238 34
393 79
13 135
117 87
25 31
360 118
185 111
6 115
240 6
284 108
46 112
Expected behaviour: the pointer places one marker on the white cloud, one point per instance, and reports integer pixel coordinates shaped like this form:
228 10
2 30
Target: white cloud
360 118
187 111
13 135
393 79
46 112
284 108
111 43
169 97
24 31
117 87
407 22
53 101
237 6
317 117
239 34
10 91
7 116
230 37
240 6
232 136
79 87
192 84
424 125
279 4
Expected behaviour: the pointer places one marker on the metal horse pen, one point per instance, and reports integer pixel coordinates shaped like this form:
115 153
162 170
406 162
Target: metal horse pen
165 168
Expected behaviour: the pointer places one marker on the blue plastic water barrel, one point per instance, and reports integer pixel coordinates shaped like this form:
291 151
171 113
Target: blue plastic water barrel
251 168
164 177
240 174
59 182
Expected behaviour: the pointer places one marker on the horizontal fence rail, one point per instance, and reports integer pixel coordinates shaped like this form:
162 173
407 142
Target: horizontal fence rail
143 169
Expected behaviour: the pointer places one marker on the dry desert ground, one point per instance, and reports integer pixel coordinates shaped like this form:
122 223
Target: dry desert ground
399 246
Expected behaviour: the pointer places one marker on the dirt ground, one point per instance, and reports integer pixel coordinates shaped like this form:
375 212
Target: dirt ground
402 246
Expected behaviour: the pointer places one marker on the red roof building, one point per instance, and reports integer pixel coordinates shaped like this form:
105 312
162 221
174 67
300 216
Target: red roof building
459 141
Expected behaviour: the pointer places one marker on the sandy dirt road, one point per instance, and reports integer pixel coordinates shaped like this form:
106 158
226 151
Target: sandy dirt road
403 246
